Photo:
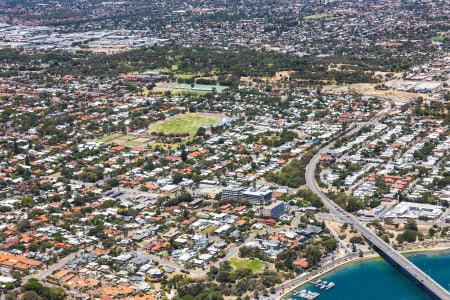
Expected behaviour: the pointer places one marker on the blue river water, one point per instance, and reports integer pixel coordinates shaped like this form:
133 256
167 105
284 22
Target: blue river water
376 279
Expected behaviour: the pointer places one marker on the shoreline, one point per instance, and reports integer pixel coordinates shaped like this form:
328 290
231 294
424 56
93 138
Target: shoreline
369 256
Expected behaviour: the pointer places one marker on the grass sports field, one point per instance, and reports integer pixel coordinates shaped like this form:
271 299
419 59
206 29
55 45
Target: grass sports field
184 123
126 140
255 265
188 88
315 17
109 137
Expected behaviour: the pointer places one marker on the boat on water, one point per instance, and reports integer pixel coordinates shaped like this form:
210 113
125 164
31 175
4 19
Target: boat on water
305 294
317 283
323 284
329 286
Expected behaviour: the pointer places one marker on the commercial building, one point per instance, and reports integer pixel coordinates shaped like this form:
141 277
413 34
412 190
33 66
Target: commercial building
232 194
415 210
275 209
240 194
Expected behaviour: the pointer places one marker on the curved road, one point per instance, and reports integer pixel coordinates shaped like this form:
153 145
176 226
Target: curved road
420 278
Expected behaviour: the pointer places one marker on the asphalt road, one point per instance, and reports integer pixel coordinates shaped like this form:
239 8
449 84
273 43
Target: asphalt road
382 246
58 265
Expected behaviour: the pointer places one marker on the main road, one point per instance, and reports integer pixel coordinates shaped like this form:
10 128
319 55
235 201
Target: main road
395 258
59 265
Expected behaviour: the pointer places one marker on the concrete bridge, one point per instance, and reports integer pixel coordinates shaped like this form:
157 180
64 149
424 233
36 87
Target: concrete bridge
393 257
402 264
397 260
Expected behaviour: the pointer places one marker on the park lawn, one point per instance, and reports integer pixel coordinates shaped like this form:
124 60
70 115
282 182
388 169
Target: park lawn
118 142
187 125
127 138
109 137
175 92
161 70
132 144
184 123
164 146
438 39
255 265
127 142
173 87
268 137
187 93
142 140
210 229
317 16
185 76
